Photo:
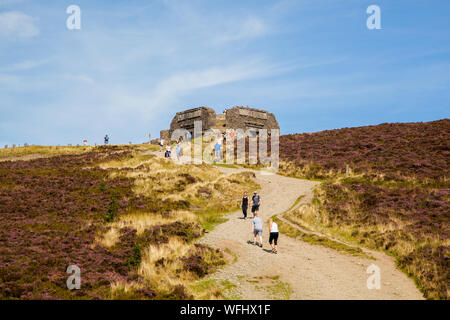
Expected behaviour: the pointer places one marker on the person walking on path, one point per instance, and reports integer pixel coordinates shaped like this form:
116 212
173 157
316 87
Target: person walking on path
257 229
256 202
179 150
217 151
168 153
273 237
244 205
106 140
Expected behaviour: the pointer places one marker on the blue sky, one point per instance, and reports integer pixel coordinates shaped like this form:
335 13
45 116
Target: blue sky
134 64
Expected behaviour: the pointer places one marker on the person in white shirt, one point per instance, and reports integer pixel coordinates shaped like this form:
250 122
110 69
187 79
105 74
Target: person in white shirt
168 152
273 231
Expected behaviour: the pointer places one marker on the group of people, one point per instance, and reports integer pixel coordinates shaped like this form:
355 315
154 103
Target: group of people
257 224
218 146
168 152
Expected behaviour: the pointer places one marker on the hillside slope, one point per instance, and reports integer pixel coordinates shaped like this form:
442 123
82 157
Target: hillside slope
397 150
394 196
127 220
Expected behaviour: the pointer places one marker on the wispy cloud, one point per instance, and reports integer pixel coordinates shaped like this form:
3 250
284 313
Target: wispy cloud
167 92
9 2
23 65
252 27
17 24
83 78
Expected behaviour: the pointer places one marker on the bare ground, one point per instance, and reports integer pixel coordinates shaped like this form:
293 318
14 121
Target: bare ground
299 270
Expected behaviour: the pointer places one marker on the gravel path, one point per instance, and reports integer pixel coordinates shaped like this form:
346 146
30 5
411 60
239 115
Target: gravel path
299 270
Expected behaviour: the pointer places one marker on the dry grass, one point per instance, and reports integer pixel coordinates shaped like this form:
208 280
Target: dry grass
345 215
140 221
167 267
210 192
164 266
161 264
35 152
122 290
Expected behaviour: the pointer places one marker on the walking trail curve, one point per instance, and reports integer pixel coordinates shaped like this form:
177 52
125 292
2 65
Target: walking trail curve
299 270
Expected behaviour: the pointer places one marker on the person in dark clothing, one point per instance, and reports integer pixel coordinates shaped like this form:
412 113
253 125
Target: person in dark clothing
244 205
256 202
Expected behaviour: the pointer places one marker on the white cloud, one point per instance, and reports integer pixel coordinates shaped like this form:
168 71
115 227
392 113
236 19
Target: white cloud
179 84
17 24
9 2
252 27
79 77
23 65
9 80
167 93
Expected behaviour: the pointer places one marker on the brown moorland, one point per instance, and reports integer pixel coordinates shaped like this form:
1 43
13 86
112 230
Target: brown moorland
111 211
385 187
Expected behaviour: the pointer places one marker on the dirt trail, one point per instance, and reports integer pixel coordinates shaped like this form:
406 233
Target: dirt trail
300 270
311 271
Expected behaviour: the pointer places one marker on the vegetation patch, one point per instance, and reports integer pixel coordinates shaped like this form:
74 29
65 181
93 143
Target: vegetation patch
319 240
212 289
385 187
127 219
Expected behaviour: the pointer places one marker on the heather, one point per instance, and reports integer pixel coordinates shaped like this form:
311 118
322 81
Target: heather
385 187
394 150
79 209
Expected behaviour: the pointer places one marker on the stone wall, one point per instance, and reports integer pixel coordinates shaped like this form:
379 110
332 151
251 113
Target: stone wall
246 118
235 118
164 134
185 119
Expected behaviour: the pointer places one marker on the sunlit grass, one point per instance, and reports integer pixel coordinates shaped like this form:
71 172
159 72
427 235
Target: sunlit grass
210 193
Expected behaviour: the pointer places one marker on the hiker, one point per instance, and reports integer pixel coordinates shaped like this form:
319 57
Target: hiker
273 231
168 153
106 139
161 144
257 228
179 150
244 205
256 202
217 150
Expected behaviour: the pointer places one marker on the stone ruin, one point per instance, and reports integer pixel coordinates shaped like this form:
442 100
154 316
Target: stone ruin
235 118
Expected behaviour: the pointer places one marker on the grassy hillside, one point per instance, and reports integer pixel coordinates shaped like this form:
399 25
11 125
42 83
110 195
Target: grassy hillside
127 219
395 195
